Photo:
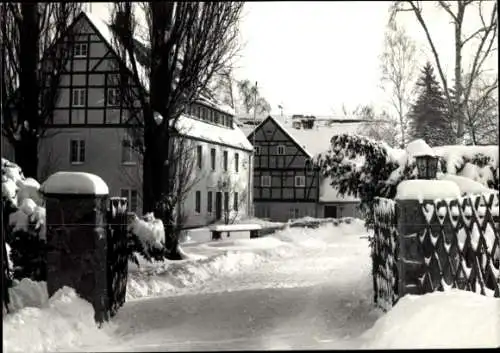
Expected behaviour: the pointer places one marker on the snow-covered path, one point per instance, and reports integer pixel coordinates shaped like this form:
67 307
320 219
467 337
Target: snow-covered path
318 294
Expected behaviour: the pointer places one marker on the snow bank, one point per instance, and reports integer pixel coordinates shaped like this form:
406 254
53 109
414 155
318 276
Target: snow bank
64 322
74 183
27 293
453 319
427 190
264 223
208 261
220 259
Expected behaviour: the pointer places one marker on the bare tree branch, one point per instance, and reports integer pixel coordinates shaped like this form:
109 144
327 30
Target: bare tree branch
33 55
188 42
486 34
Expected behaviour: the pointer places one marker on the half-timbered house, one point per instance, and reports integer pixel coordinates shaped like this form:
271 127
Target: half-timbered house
90 125
286 185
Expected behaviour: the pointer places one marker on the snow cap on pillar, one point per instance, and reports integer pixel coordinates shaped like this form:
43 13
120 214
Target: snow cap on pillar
427 190
78 183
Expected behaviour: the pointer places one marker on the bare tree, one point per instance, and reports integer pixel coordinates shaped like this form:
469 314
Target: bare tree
231 185
379 127
33 58
399 71
223 88
481 122
50 164
186 44
251 98
484 37
185 175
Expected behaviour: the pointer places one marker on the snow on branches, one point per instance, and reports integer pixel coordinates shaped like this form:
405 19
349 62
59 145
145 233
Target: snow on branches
359 166
362 167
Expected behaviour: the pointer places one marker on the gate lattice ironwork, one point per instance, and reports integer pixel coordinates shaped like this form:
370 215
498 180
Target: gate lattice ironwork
460 245
385 250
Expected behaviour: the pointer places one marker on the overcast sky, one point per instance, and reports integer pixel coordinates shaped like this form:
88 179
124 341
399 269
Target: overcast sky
312 57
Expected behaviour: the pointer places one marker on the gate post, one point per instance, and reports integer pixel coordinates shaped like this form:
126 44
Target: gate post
411 223
117 266
76 237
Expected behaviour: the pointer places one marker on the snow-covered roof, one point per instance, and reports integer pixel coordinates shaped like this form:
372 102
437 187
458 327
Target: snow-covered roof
317 139
192 127
216 104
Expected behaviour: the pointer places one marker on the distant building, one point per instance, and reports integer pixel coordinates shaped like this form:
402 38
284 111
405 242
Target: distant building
89 133
286 185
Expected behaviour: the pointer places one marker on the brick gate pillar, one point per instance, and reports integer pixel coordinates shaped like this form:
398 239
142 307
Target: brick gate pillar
76 206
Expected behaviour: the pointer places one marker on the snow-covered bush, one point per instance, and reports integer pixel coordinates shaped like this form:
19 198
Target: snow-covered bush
24 217
147 238
366 168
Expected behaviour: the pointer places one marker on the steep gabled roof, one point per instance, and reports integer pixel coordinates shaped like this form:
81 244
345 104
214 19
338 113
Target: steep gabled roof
283 130
105 31
315 140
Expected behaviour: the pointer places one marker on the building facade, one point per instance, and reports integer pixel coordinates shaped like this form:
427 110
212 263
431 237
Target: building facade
90 129
286 184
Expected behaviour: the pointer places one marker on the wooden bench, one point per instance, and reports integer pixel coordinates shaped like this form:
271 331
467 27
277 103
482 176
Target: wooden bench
229 228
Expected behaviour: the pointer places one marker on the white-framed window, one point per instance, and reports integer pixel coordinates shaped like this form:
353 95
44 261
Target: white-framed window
113 97
78 96
265 180
132 198
280 149
257 150
127 152
300 181
77 151
80 50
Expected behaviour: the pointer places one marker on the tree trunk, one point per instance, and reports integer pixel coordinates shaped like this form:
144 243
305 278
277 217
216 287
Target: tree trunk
401 122
26 150
458 108
159 89
26 155
152 171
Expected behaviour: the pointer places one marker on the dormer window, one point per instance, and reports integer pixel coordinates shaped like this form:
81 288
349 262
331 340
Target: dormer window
280 150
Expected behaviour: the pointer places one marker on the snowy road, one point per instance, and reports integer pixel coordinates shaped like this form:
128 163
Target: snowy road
317 296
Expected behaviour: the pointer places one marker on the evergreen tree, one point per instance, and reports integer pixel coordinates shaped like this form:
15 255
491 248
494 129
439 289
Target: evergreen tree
428 115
